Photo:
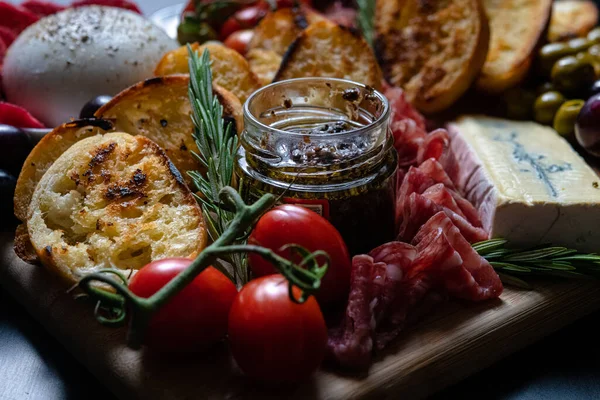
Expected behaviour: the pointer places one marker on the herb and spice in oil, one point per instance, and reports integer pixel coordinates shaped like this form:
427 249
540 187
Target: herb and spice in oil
333 157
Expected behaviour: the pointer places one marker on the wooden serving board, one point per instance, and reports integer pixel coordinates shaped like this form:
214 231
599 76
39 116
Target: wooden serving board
456 341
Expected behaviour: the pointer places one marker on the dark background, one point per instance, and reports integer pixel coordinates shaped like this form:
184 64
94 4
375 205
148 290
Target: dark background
565 365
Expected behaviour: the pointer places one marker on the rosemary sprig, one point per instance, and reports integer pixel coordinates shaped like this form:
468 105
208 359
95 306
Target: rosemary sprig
217 145
365 19
544 260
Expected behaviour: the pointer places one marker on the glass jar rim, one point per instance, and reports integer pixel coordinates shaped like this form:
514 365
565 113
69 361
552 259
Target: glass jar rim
381 119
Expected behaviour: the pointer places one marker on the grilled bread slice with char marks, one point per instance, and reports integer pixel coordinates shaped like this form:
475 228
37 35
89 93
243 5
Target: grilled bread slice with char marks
113 201
433 49
325 49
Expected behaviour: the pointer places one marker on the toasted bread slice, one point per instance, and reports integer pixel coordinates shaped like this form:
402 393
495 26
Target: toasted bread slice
572 18
160 110
517 28
230 70
264 64
278 30
113 201
325 49
46 152
434 50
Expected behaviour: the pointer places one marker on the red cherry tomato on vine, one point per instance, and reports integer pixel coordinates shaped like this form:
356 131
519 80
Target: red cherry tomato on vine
272 338
246 18
196 317
239 40
294 224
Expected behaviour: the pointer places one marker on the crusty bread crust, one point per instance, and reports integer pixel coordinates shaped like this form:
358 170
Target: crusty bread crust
325 49
159 109
230 70
572 18
113 201
432 49
517 28
22 245
45 152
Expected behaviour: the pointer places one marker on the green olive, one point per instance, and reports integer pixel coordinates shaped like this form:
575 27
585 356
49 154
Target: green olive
572 74
519 103
594 35
546 106
566 116
551 53
545 87
579 44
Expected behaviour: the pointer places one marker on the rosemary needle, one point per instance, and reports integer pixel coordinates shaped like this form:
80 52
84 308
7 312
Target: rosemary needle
513 263
217 145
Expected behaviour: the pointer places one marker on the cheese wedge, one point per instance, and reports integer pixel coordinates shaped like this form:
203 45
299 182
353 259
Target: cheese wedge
527 182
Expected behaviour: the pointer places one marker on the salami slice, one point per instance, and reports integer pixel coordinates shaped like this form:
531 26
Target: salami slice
433 146
351 344
473 278
42 8
16 18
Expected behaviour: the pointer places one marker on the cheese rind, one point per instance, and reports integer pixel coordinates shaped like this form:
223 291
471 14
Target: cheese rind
527 182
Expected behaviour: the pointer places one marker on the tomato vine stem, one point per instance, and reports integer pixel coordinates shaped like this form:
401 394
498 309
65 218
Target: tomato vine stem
306 276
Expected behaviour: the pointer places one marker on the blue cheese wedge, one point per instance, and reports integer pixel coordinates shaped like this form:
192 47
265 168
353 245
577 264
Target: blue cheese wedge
527 182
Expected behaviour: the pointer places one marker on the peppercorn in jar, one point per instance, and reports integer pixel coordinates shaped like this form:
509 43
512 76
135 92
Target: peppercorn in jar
324 144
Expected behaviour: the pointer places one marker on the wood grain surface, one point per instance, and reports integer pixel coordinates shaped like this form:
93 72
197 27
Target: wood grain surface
458 340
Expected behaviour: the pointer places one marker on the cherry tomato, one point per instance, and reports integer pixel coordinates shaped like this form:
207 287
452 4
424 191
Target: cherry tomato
189 7
272 338
196 317
239 40
246 18
294 224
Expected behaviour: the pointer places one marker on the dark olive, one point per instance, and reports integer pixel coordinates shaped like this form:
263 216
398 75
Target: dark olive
90 108
545 87
573 74
546 106
519 103
190 31
594 35
594 89
566 117
14 148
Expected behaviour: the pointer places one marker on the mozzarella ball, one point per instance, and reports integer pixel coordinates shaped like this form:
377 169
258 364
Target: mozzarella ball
64 60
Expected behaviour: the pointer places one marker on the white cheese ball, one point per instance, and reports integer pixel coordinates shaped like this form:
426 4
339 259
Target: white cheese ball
64 60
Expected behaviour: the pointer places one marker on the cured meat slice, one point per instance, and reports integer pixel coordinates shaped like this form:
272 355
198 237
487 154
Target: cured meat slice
451 200
351 344
434 145
418 209
7 35
11 114
16 18
473 278
42 8
374 288
435 170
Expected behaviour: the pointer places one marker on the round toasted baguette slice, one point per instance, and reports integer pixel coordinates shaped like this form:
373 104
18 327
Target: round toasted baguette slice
264 64
571 19
517 28
434 50
277 30
113 201
325 49
46 152
230 69
159 109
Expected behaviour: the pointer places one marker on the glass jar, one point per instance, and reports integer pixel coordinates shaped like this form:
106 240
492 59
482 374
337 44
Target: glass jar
323 143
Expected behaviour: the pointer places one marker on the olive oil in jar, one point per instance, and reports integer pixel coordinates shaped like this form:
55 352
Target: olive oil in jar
323 144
